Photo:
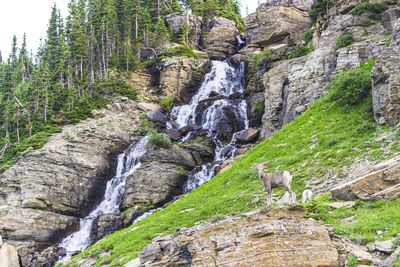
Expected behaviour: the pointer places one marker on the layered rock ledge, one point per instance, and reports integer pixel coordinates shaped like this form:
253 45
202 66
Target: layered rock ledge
280 237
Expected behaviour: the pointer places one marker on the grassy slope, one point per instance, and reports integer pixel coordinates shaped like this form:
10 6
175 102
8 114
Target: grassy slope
320 142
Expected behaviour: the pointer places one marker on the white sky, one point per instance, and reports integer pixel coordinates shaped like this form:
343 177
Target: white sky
32 16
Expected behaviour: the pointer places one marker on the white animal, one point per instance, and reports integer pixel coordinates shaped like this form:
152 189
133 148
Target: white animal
307 195
285 199
274 180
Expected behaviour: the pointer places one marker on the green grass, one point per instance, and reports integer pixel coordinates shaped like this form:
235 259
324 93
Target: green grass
369 217
322 141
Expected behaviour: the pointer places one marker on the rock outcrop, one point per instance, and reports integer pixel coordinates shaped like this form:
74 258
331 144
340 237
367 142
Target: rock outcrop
281 237
45 193
180 77
222 38
386 82
163 172
291 86
381 183
276 25
303 5
177 23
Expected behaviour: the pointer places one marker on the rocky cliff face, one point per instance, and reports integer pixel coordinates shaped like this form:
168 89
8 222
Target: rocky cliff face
291 86
46 191
386 81
163 173
281 237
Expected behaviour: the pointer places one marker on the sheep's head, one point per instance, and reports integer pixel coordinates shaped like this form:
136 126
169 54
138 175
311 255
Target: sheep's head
258 167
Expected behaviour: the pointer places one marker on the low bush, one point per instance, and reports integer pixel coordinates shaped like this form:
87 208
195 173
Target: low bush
319 9
158 140
307 36
343 41
351 86
168 103
374 8
181 51
301 51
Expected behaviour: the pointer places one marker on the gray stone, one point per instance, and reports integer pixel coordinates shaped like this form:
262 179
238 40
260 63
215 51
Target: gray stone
247 136
157 116
276 25
386 82
304 5
389 17
383 246
221 40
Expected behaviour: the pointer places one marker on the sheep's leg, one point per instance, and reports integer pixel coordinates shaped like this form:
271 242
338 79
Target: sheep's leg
269 195
292 200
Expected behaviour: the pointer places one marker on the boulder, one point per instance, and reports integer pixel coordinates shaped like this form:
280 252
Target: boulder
1 241
383 246
222 38
43 195
174 134
304 5
389 17
9 256
178 21
247 136
48 257
276 25
106 224
163 173
381 183
180 77
276 237
386 82
362 256
149 107
157 116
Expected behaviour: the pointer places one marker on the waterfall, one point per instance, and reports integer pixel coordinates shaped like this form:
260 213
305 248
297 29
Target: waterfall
113 198
223 81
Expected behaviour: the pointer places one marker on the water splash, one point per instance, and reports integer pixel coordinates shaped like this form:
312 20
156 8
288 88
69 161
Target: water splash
113 198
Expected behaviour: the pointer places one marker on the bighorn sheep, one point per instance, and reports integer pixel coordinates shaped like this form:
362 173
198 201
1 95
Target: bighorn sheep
274 180
307 195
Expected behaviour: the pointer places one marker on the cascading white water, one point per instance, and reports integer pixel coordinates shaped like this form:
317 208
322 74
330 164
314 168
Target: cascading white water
223 80
113 197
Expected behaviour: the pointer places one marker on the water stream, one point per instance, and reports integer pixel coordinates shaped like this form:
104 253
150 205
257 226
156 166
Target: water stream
213 115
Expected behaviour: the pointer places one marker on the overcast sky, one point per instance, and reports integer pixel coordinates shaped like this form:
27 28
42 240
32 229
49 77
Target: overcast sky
32 16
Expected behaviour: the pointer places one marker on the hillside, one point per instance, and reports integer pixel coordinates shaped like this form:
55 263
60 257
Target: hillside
130 140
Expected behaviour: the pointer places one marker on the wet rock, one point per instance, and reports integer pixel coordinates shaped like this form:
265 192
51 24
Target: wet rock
132 214
180 77
255 109
48 257
280 25
173 124
386 82
9 256
213 94
174 134
106 224
221 40
381 183
247 136
189 128
157 116
163 173
49 189
270 238
237 95
212 98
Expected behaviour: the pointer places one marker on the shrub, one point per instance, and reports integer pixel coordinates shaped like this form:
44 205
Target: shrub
168 103
350 86
307 36
375 8
343 41
353 262
181 51
301 51
319 9
158 140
